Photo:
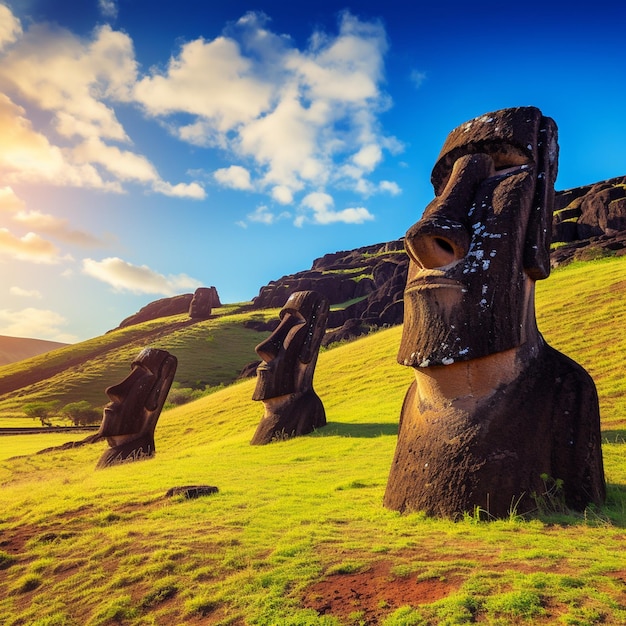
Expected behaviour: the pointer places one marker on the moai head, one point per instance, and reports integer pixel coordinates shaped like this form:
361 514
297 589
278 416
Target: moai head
130 419
285 376
482 242
201 304
289 354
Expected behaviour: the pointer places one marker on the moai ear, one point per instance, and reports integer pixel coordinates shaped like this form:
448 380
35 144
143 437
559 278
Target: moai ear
316 318
165 377
539 228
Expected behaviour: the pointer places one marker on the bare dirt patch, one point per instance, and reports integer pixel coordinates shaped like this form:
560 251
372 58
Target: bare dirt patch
374 593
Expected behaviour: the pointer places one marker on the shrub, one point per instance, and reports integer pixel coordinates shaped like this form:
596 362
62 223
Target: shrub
81 413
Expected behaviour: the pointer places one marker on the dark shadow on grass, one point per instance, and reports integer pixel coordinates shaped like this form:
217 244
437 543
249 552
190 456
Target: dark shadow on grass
368 430
614 436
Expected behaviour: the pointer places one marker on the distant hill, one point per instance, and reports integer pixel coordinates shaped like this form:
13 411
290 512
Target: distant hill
14 349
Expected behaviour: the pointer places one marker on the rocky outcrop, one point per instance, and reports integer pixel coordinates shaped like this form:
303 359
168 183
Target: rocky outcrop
159 308
208 296
204 300
364 287
589 221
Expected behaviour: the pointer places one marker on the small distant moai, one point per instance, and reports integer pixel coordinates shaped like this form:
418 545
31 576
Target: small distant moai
130 419
285 375
203 301
494 413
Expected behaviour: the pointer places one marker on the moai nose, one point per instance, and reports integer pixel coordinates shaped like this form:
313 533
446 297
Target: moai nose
442 235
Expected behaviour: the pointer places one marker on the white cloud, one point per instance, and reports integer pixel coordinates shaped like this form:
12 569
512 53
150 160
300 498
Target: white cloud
351 215
282 194
129 166
319 201
108 8
234 177
368 157
300 116
27 156
305 119
417 78
77 81
194 190
263 215
322 206
56 227
124 276
31 247
25 293
212 80
9 200
10 27
14 208
390 186
346 68
34 323
124 165
70 77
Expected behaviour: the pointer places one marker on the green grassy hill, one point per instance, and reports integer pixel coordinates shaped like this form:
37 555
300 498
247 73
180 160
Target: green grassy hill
210 353
297 534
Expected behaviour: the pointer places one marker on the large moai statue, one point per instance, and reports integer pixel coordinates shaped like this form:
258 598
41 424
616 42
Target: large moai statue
130 419
285 376
493 409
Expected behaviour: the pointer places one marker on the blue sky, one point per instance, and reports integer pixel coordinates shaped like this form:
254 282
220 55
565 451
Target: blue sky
150 148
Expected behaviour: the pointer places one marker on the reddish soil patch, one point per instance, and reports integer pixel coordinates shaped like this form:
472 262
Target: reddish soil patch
374 593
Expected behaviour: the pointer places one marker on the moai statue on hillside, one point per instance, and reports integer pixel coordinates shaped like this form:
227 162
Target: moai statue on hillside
203 301
493 409
130 419
285 375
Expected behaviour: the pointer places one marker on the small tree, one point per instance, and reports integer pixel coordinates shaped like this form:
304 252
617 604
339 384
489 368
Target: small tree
81 413
42 411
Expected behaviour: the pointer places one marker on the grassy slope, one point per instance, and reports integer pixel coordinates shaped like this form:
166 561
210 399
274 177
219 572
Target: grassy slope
87 547
209 352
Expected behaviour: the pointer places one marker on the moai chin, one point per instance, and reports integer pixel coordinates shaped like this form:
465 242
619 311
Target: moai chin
492 407
285 375
130 419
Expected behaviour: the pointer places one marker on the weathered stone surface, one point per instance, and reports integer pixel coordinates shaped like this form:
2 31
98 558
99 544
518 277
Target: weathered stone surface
249 370
285 375
261 326
366 273
204 300
350 329
494 456
159 308
172 306
594 216
191 491
493 409
130 419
